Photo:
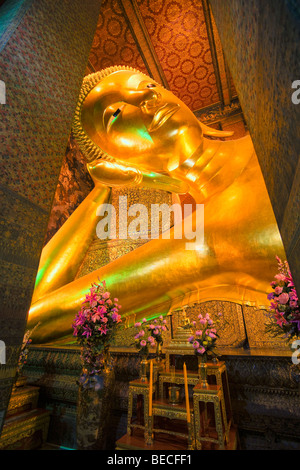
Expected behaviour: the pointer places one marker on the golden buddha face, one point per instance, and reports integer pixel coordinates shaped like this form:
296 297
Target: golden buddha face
136 121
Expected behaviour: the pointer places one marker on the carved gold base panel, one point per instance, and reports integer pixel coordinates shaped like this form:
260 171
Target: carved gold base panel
164 442
241 328
25 432
240 325
23 399
25 425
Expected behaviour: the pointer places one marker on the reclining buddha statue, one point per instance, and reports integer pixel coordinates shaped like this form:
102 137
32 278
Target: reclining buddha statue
136 134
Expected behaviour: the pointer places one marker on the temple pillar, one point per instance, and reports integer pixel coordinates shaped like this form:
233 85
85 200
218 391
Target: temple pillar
261 43
44 49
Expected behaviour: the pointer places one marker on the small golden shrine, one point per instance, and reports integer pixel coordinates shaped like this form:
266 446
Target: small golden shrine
179 344
174 408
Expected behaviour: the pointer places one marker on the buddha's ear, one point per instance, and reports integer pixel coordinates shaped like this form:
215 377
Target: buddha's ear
211 132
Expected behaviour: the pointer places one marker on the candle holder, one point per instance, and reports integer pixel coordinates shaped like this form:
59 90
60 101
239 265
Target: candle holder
191 437
144 369
149 438
174 395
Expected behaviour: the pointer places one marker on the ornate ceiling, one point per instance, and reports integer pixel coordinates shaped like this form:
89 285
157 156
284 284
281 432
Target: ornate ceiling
175 42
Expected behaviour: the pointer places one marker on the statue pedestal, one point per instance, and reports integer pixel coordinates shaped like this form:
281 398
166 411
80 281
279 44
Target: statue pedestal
25 425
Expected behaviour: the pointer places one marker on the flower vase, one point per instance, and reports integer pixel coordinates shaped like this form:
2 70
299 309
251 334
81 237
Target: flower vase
202 371
144 366
93 411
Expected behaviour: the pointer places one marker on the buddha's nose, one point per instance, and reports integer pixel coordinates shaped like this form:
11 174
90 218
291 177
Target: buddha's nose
152 101
146 98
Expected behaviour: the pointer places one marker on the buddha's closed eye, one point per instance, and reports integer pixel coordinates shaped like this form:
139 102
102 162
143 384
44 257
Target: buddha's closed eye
114 116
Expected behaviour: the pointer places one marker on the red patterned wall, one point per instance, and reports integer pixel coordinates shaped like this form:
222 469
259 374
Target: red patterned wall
179 35
113 42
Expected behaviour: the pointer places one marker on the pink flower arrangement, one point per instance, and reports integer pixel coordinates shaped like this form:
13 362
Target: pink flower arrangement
204 336
149 334
94 327
284 311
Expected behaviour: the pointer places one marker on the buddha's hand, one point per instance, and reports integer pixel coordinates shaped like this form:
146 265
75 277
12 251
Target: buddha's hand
114 174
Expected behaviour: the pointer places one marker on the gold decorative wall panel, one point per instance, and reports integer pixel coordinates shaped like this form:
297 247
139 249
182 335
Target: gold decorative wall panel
255 321
231 327
240 327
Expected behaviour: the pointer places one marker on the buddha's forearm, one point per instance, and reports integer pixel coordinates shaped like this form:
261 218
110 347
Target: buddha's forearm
64 253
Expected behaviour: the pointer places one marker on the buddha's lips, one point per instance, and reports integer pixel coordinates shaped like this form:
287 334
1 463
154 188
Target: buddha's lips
161 116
